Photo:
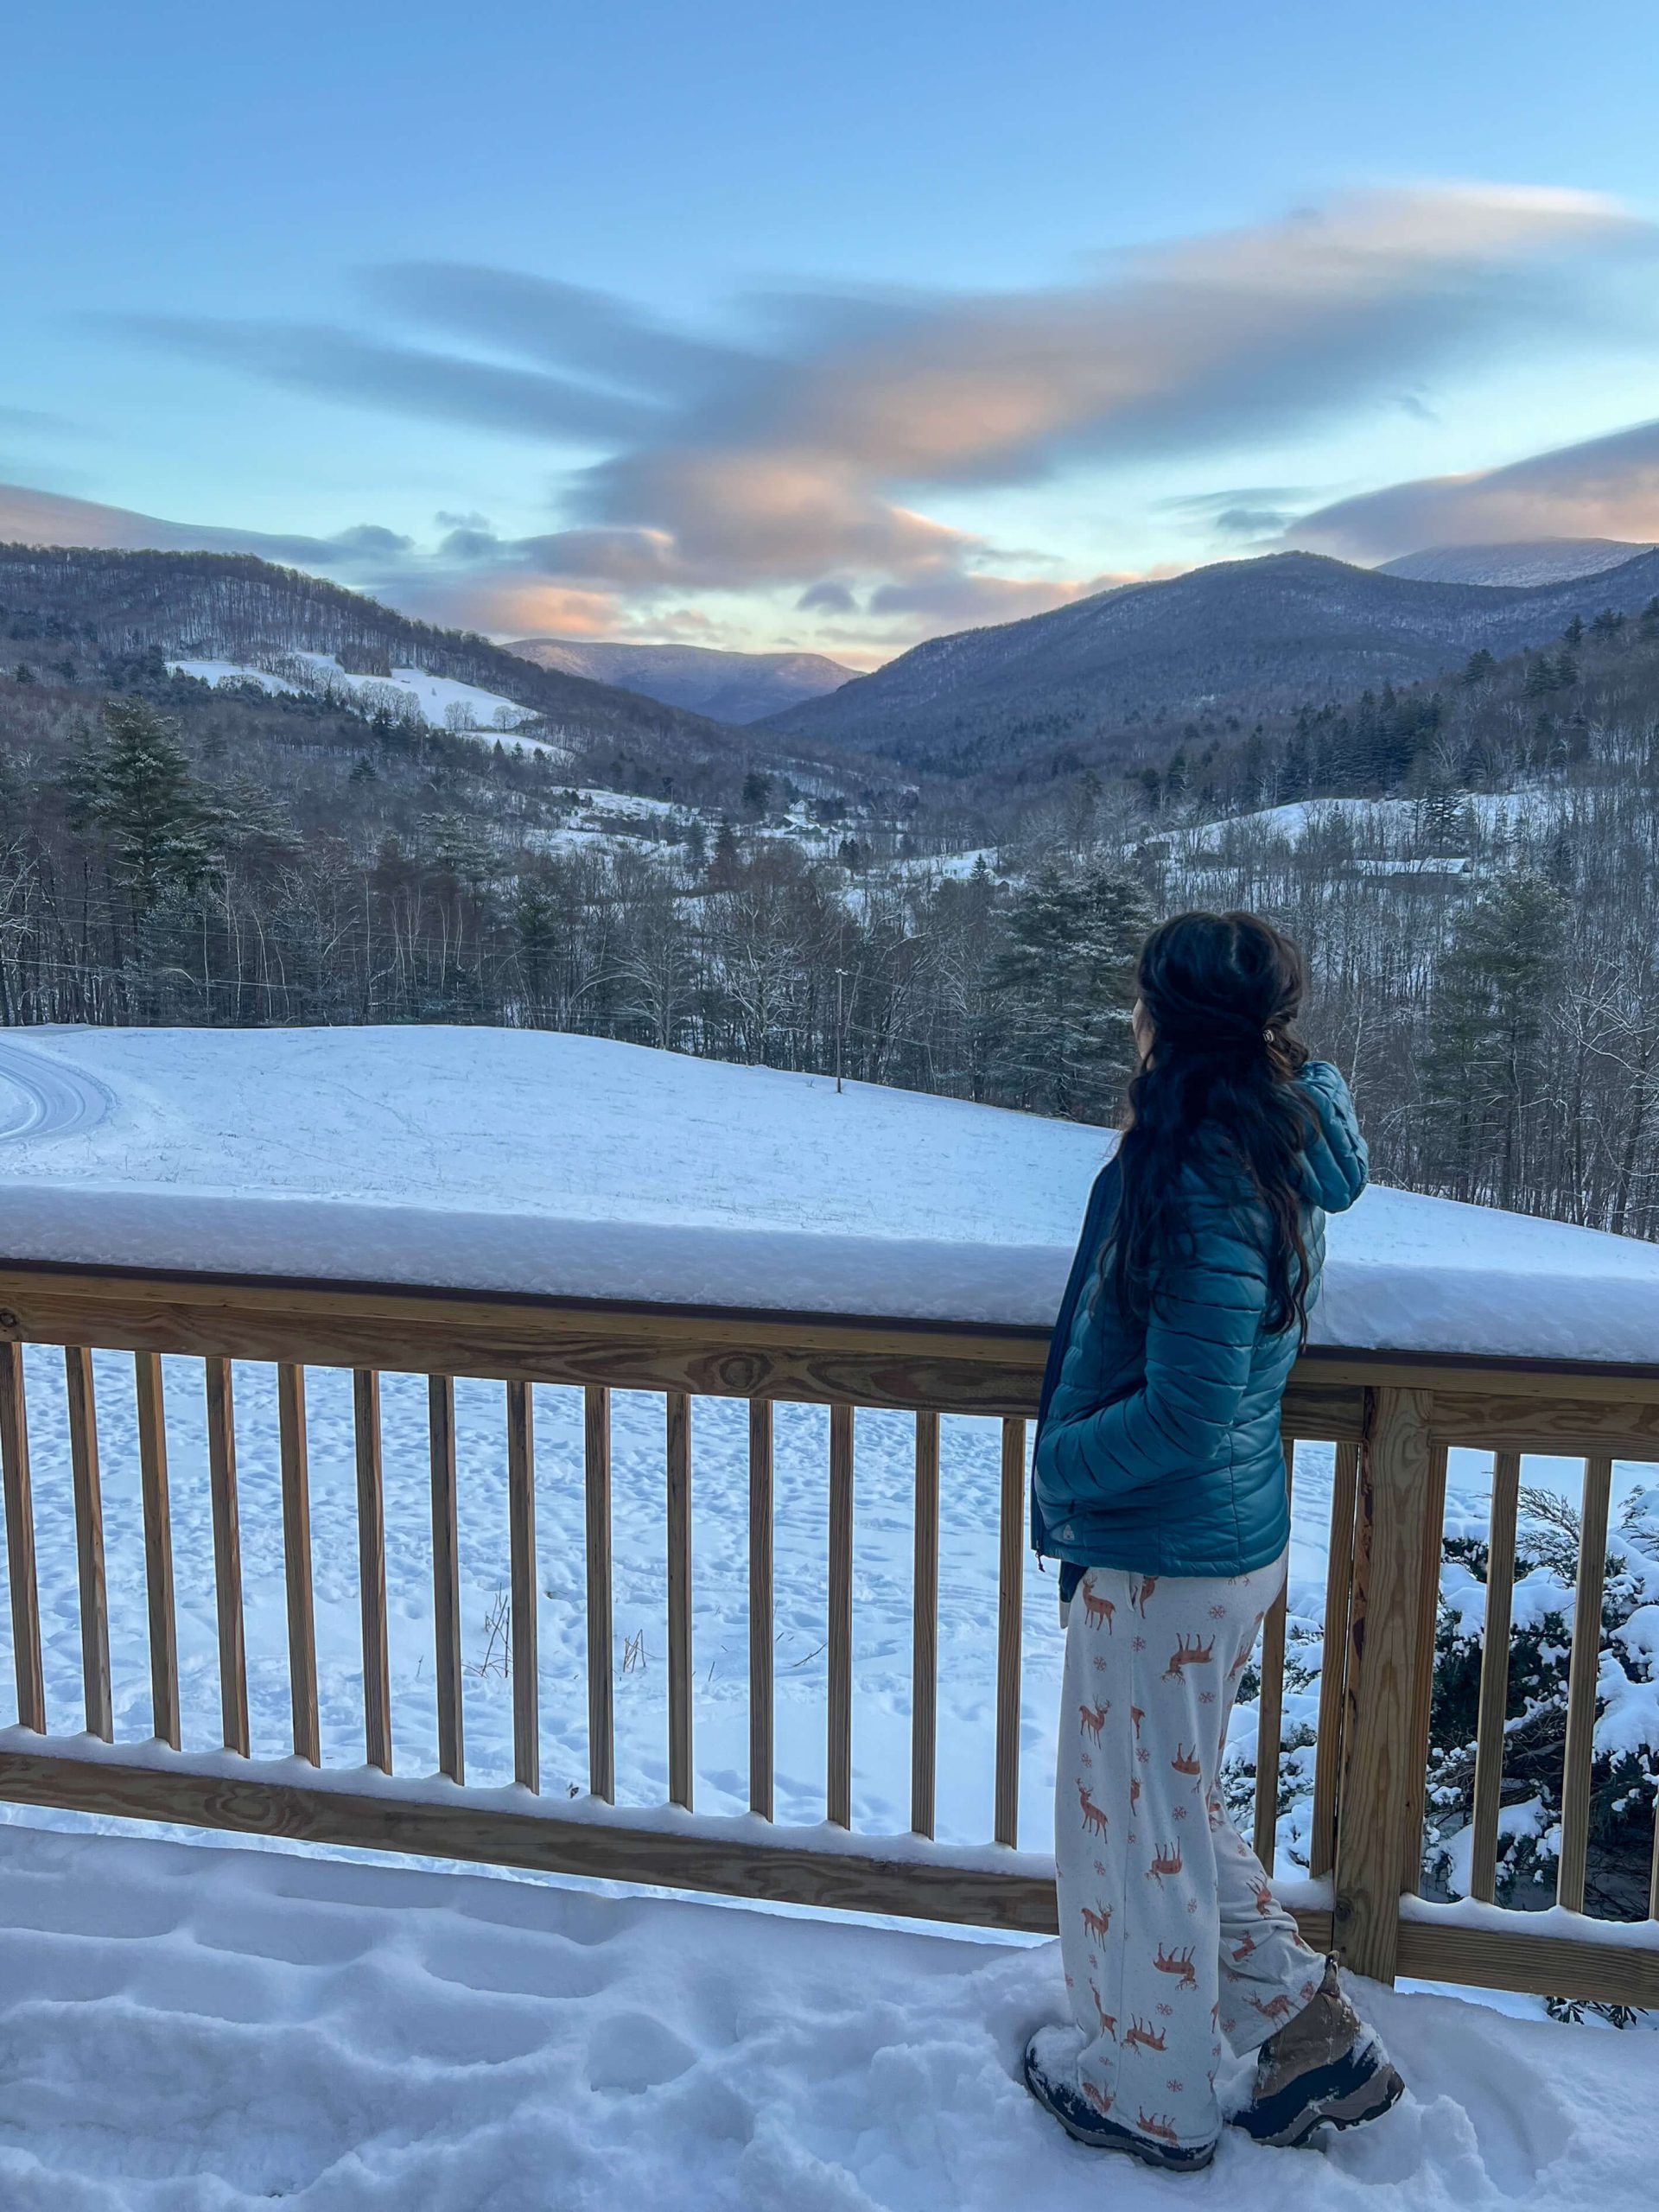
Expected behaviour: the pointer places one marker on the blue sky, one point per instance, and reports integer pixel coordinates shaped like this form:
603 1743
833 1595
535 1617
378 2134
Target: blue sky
757 326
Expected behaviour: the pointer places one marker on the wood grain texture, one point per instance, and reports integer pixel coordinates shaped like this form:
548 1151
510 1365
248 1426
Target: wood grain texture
838 1775
898 1364
1573 1427
597 1474
680 1767
19 1542
227 1556
1339 1587
446 1577
524 1653
1011 1560
761 1608
1550 1966
1494 1676
158 1547
1397 1480
81 1404
1270 1706
1430 1509
296 1563
924 1630
371 1568
1583 1668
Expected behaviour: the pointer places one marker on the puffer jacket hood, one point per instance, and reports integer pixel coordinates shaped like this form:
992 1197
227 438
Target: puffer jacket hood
1158 1444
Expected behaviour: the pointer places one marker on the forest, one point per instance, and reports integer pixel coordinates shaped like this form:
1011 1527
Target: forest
1470 866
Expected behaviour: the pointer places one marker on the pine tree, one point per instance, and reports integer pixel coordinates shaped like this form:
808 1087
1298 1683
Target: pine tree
1481 1062
138 789
1064 982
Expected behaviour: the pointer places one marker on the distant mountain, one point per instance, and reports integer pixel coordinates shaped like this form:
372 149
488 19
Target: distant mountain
235 608
1240 637
732 687
1539 561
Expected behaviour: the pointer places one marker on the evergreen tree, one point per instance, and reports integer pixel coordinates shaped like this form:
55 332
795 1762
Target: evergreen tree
1064 982
1483 1065
137 788
1480 666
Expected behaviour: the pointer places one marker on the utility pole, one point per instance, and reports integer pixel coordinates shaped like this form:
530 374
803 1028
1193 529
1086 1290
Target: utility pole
840 973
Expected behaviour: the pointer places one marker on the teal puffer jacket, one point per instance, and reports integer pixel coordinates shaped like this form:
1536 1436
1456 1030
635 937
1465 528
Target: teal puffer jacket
1158 1447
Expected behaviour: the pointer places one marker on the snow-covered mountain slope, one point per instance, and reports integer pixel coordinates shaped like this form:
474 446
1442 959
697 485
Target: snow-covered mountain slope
441 702
730 686
528 1161
192 2029
1537 561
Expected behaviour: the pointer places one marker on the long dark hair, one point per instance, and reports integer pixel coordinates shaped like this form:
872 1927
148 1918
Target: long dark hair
1222 992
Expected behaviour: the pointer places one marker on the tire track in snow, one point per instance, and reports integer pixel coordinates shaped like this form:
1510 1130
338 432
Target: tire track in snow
43 1098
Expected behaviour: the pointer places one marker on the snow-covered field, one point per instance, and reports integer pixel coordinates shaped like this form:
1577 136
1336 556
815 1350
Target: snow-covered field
520 1161
185 2029
211 2029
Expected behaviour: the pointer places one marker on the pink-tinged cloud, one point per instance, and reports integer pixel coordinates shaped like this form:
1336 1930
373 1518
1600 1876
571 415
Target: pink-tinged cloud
1605 487
798 457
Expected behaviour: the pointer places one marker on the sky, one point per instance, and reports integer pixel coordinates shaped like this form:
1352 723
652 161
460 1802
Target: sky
787 328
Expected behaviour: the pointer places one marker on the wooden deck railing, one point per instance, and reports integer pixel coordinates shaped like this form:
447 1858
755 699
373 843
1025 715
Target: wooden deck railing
1391 1420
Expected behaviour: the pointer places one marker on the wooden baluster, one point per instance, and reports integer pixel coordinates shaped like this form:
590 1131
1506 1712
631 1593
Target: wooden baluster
446 1575
1009 1622
838 1783
1385 1734
1270 1706
297 1561
371 1568
89 1541
521 1535
1583 1668
227 1556
1422 1705
596 1457
924 1630
1494 1675
19 1542
1338 1592
158 1547
761 1608
679 1598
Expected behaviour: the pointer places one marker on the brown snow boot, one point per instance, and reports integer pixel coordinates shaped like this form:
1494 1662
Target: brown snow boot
1324 2068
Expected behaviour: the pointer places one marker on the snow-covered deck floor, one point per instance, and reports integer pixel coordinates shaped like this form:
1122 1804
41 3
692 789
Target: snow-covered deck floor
191 2030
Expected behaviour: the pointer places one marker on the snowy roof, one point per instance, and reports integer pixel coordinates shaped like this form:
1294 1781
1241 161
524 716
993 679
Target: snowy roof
526 1162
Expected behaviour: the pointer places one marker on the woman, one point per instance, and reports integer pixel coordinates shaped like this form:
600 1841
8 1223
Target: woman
1159 1484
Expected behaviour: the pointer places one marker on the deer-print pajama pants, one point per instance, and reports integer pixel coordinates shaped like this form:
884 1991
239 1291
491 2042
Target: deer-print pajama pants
1170 1934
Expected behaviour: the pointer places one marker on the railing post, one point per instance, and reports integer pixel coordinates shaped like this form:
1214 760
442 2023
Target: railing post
1390 1677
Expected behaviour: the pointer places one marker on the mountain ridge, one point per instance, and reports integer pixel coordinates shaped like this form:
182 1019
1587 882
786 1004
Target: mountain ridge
1528 561
729 686
1254 636
232 605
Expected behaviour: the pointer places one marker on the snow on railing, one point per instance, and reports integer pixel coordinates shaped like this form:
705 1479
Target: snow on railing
1391 1416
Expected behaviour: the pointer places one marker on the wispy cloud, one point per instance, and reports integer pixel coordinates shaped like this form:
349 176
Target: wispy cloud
799 455
1605 487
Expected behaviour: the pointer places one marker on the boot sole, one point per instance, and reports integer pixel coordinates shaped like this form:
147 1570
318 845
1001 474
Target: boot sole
1367 2102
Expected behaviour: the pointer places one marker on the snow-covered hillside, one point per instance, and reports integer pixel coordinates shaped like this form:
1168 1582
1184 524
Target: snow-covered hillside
441 702
523 1160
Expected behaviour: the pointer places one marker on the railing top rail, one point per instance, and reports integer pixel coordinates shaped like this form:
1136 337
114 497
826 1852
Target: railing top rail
892 1359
